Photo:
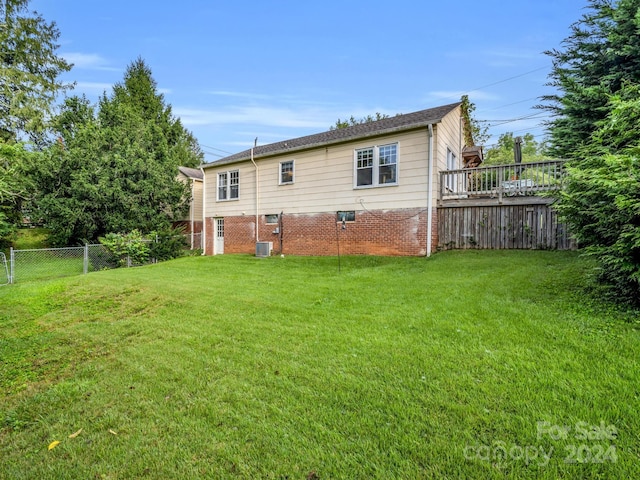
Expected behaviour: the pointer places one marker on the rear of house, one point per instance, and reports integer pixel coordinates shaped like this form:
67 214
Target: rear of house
192 223
367 189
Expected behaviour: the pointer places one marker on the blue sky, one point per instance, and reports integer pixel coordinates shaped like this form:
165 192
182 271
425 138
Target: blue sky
237 70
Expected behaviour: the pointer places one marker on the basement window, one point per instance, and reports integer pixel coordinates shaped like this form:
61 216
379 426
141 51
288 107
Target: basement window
271 219
346 216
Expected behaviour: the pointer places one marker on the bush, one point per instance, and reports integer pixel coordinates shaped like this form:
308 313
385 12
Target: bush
128 249
168 243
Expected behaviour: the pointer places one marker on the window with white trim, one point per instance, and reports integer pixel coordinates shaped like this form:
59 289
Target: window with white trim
376 166
286 172
228 185
452 164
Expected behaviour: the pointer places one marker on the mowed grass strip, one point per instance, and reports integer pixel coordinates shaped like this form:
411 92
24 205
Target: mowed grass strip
465 365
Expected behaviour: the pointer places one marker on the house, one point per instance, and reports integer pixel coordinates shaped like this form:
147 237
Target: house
192 224
366 189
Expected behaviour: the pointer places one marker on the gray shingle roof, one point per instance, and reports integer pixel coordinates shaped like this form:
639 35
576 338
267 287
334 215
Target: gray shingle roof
398 123
191 172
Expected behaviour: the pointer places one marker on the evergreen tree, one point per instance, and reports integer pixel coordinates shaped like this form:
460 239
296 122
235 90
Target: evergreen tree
115 167
599 56
14 186
29 71
601 199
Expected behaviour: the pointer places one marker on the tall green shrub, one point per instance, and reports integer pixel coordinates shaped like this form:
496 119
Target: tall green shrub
601 202
127 249
168 243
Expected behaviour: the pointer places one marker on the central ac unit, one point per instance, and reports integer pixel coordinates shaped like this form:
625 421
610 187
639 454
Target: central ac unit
263 249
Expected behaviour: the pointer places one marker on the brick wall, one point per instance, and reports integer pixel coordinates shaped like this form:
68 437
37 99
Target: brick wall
381 232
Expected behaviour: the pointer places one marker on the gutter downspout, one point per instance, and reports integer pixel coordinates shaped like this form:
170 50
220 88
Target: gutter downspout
193 210
255 165
430 190
203 233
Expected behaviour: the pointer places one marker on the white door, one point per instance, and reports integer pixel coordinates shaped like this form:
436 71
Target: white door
218 247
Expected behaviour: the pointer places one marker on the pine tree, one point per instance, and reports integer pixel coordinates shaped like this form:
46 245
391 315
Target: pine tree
115 167
29 71
601 53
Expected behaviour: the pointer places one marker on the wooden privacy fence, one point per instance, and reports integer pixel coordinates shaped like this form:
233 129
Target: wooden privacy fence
532 226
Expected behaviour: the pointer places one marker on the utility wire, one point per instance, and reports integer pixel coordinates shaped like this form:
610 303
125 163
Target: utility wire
214 148
500 81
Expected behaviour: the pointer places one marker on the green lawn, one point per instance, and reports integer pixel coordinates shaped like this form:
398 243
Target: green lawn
472 364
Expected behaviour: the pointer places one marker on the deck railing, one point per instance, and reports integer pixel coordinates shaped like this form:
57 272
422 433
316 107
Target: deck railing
497 181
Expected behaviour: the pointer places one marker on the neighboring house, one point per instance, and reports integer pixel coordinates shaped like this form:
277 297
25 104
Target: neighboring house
193 222
366 189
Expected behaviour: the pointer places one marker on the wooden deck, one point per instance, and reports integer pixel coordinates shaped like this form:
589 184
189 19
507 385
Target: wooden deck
515 184
502 206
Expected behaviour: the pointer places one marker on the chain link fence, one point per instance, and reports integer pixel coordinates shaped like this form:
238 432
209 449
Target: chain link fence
45 263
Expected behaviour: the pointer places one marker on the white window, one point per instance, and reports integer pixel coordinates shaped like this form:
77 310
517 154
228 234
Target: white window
229 185
286 172
452 160
452 164
376 166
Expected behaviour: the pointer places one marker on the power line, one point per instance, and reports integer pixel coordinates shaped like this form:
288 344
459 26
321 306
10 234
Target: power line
214 148
510 104
511 120
213 153
501 81
510 78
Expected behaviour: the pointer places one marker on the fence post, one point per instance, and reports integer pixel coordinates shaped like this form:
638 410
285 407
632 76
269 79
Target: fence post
85 266
11 263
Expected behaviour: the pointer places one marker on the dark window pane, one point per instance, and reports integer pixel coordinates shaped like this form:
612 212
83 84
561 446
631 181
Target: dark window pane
387 174
365 176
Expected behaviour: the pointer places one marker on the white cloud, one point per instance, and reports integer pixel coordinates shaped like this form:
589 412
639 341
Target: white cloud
227 93
254 115
92 88
89 61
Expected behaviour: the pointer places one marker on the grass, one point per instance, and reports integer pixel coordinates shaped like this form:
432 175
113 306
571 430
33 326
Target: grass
30 238
236 367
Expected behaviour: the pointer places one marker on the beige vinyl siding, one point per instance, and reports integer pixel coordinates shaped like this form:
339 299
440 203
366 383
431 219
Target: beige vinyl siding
449 136
196 201
195 208
246 199
324 177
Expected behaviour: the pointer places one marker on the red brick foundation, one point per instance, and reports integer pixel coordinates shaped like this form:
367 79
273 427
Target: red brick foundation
381 232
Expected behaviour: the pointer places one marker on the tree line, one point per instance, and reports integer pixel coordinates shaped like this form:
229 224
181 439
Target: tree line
83 169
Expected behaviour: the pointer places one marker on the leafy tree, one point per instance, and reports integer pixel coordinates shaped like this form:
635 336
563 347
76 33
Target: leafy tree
502 151
357 121
115 166
601 202
29 70
598 57
473 132
14 186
